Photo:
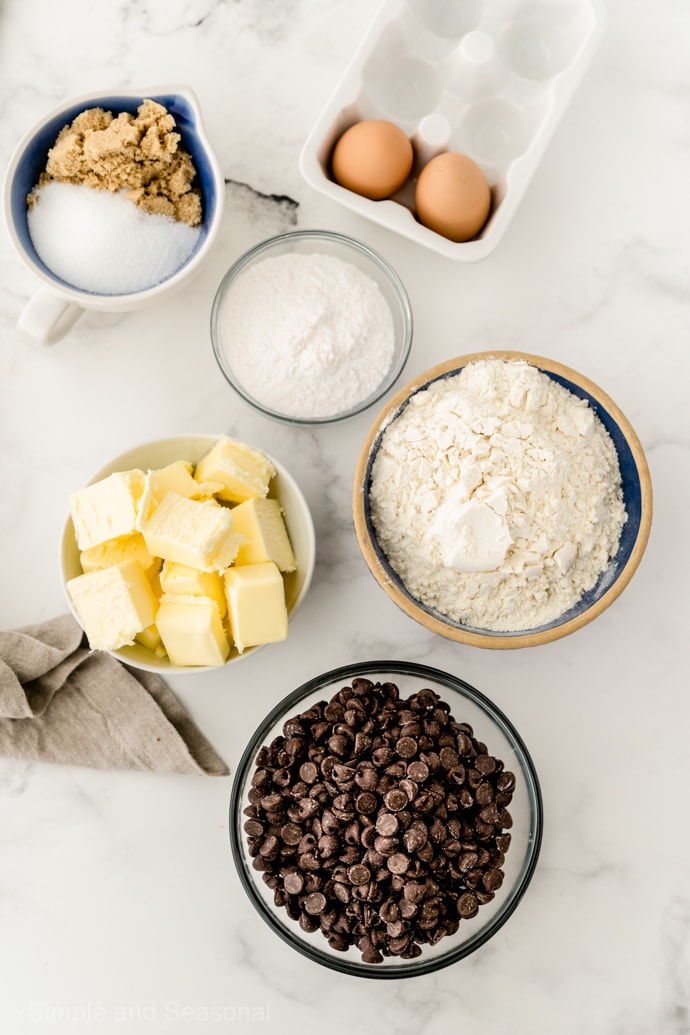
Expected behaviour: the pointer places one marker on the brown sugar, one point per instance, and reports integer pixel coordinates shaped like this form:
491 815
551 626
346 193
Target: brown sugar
137 154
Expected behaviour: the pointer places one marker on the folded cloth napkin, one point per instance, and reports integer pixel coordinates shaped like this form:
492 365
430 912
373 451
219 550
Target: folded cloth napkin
61 702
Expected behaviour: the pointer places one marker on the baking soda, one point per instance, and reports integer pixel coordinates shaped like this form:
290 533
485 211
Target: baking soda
100 242
307 335
496 496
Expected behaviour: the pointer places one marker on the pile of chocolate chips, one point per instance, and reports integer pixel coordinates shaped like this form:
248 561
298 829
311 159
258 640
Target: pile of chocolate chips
379 821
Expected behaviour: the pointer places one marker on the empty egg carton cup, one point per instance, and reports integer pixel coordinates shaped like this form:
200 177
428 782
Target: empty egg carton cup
489 79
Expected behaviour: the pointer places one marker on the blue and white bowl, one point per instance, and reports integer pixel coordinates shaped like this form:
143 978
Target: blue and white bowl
637 498
29 161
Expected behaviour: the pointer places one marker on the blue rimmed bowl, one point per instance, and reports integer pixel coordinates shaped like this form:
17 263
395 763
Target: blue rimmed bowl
637 497
29 160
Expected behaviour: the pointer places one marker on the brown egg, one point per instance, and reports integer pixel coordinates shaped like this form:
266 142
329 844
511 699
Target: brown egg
452 196
372 158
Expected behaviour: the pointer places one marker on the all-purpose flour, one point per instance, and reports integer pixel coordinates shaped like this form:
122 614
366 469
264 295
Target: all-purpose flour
496 496
307 335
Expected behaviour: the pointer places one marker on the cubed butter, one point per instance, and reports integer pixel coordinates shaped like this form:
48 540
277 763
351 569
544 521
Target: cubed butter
150 638
113 551
242 472
192 630
175 477
193 532
261 523
256 604
153 574
113 604
107 509
181 578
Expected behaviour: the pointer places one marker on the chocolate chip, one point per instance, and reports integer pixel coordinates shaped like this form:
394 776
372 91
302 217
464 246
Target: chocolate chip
328 845
418 771
368 836
385 845
485 764
398 863
424 802
315 903
465 745
389 912
291 833
306 807
387 824
308 923
366 778
359 874
271 802
406 747
467 905
415 836
293 882
365 803
503 842
484 793
353 833
270 847
396 800
449 757
410 788
467 861
382 756
492 879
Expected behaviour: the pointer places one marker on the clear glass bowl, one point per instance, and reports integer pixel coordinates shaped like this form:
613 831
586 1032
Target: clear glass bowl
502 740
347 249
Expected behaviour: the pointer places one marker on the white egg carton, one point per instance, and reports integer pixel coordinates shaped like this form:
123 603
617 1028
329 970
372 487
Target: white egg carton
486 78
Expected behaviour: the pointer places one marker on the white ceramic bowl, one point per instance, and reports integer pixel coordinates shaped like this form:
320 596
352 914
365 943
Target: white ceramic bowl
151 455
57 305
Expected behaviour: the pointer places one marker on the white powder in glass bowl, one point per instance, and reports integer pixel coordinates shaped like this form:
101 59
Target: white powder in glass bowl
306 335
496 496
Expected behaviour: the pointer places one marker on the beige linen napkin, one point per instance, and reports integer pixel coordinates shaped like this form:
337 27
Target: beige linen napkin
61 702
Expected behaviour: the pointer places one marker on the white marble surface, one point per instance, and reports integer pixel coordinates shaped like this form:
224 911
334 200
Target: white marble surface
119 905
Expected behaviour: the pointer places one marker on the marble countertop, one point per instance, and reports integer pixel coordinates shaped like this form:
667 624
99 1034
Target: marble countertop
119 905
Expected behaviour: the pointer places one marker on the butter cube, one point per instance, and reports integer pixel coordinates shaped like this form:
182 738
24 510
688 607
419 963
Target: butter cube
181 578
192 630
256 604
113 551
242 472
113 604
193 532
261 523
176 477
150 638
153 574
107 509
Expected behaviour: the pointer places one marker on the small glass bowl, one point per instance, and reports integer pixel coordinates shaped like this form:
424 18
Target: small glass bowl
347 249
502 740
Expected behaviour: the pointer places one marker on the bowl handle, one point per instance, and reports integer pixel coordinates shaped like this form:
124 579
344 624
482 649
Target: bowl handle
48 317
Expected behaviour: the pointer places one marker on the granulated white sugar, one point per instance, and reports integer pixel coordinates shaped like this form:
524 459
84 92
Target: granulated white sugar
101 242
